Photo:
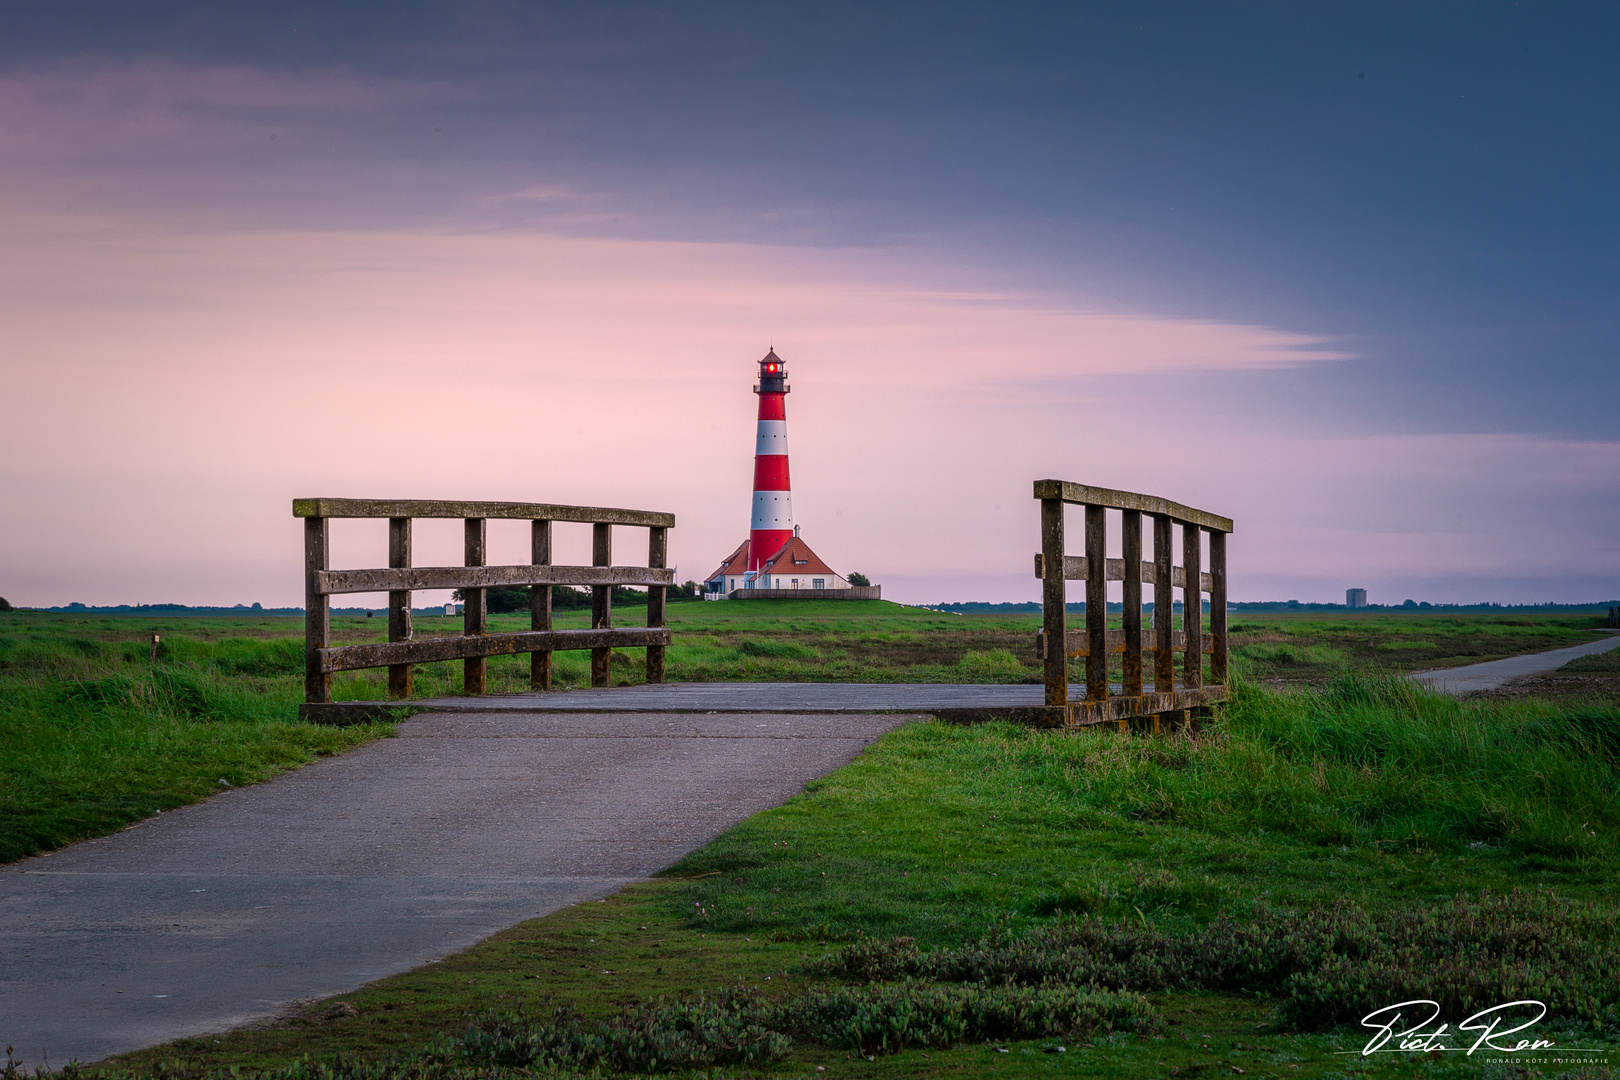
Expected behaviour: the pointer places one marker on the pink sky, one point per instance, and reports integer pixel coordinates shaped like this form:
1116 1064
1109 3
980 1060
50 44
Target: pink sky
209 306
173 388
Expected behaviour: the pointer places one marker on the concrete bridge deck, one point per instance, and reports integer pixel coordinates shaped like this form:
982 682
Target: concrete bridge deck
760 697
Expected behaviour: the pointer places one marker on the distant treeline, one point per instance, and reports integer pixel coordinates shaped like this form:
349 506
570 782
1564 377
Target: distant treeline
1414 605
978 607
173 609
1031 607
563 598
498 602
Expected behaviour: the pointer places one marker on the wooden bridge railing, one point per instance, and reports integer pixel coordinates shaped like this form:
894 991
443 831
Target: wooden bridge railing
1162 642
475 644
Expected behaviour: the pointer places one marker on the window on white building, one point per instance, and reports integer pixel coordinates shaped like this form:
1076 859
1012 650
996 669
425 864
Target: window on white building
819 583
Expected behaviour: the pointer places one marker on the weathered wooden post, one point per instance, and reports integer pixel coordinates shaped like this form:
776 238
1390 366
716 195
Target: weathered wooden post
1192 606
1131 623
1053 601
475 615
1217 605
1096 604
317 610
399 604
540 603
657 557
1164 606
601 603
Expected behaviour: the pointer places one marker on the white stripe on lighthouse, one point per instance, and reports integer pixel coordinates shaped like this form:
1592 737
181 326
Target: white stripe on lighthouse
773 510
772 437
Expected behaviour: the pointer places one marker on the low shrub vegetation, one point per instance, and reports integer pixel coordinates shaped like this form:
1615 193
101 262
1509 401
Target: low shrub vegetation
1324 965
747 1027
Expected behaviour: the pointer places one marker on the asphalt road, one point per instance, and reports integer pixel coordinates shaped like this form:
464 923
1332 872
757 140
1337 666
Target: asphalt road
1493 673
360 866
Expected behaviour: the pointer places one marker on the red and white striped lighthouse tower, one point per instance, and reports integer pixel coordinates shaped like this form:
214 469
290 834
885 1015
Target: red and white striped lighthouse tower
773 497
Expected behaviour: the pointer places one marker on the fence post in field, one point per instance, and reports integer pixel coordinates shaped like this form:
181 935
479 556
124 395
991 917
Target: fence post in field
601 603
399 604
1097 643
317 610
540 603
1054 598
657 557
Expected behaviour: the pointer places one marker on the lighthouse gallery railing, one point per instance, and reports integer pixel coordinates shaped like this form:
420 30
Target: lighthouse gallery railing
1096 643
475 644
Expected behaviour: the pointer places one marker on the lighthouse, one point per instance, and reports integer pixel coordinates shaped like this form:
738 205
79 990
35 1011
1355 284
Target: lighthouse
775 562
773 496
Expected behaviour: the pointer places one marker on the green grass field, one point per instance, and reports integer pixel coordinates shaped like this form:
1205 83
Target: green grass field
1254 885
875 641
97 736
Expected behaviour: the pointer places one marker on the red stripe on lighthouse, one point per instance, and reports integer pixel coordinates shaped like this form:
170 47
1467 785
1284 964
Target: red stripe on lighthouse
773 406
771 473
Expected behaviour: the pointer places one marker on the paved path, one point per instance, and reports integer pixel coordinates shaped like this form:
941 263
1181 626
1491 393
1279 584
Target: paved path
763 697
368 864
1493 673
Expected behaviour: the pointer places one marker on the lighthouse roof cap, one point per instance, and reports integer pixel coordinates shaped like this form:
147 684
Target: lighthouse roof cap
772 358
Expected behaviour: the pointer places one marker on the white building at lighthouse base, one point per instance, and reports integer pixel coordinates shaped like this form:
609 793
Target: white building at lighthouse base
792 566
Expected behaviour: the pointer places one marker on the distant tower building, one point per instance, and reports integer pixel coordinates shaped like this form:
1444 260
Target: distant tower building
1355 598
773 497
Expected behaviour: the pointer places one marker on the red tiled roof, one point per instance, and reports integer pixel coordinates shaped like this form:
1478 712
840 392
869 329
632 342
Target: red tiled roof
786 560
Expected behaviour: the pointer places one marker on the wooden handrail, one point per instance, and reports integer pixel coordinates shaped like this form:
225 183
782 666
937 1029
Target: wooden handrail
1113 499
474 646
1076 568
1079 643
332 582
430 508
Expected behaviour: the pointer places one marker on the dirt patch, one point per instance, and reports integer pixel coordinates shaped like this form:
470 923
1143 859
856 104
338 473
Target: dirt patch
1559 686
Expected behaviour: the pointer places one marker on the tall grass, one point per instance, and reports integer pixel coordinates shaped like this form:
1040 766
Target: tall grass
1384 760
96 735
1372 788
